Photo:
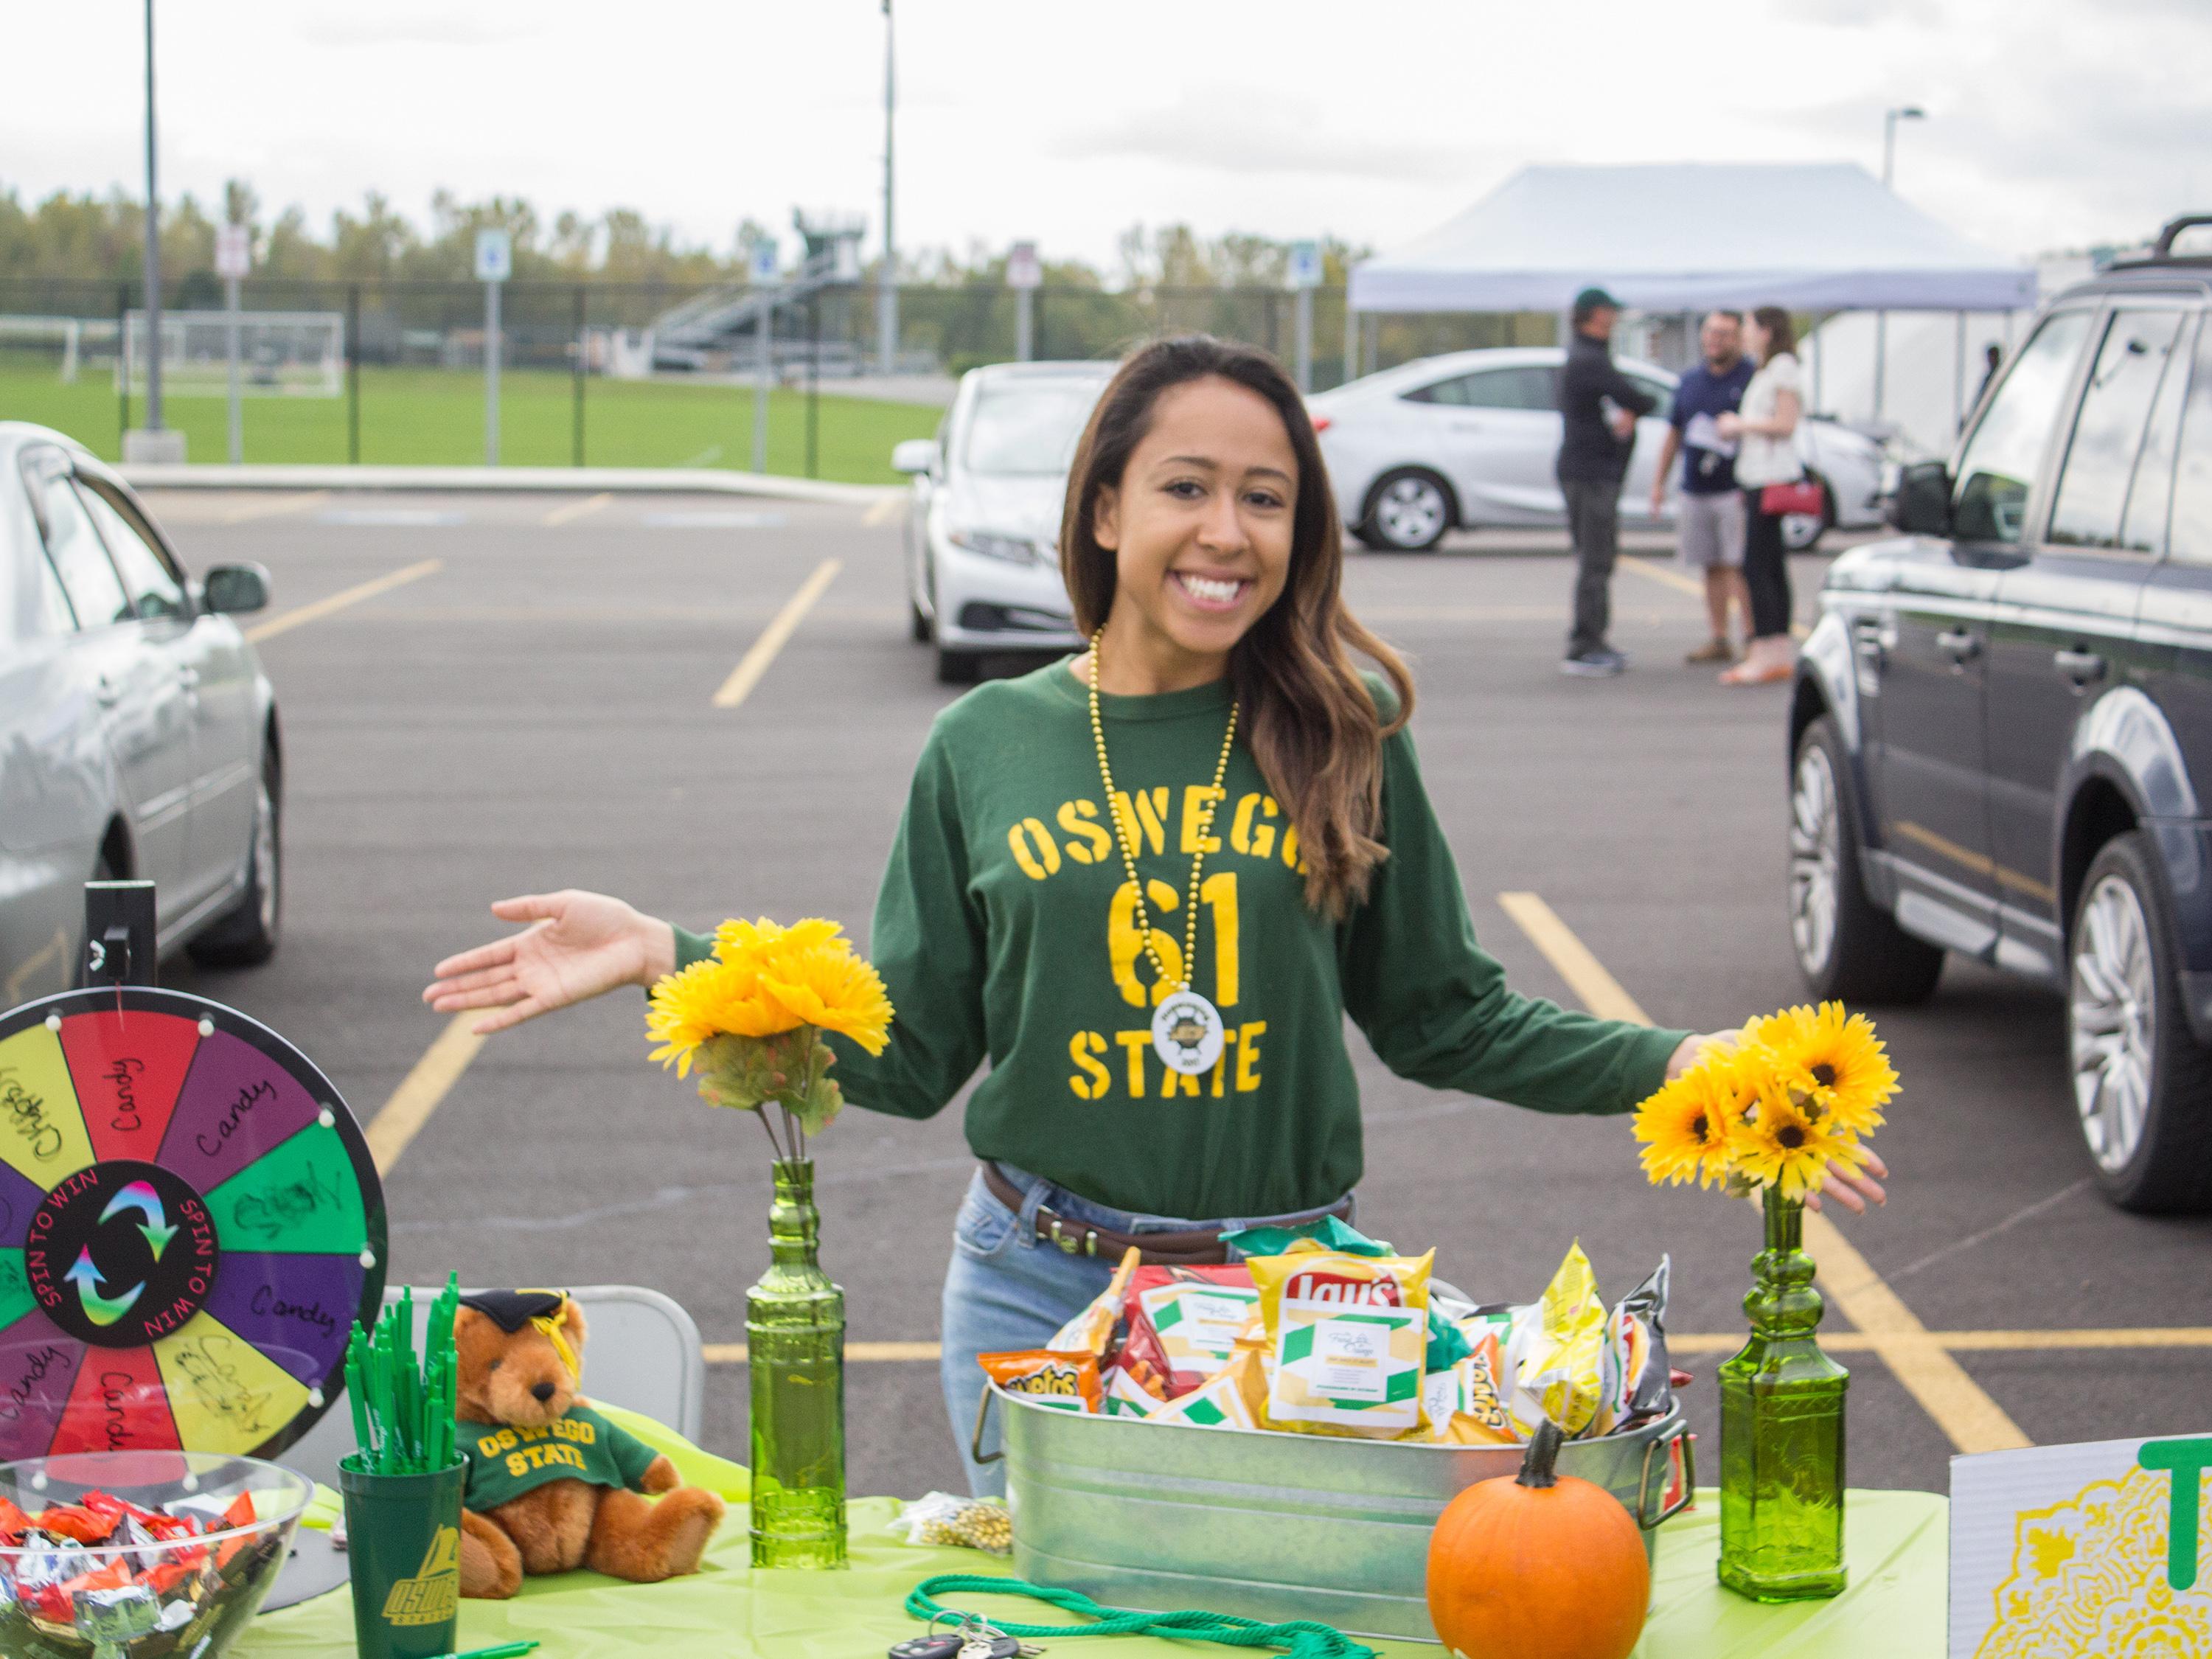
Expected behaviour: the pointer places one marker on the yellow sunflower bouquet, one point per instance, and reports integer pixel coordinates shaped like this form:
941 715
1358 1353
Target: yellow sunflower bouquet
750 1019
1798 1092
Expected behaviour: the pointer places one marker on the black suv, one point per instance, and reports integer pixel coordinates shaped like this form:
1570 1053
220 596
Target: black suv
2003 720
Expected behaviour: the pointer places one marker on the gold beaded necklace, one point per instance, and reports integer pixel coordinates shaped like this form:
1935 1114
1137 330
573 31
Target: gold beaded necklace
1186 1029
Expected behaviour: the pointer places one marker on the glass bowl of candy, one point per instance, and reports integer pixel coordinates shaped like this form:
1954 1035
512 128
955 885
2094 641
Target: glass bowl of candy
139 1554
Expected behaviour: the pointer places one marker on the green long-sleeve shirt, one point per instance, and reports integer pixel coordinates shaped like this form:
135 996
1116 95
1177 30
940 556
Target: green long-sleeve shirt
1004 932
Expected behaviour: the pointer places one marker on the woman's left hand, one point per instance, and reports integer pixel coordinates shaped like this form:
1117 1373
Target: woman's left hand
1853 1192
1690 1049
1728 424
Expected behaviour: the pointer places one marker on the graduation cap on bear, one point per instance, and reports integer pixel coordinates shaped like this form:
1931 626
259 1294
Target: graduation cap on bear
512 1309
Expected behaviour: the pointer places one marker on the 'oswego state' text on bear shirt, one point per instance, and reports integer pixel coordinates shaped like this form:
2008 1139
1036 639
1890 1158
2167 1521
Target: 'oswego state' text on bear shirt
1006 931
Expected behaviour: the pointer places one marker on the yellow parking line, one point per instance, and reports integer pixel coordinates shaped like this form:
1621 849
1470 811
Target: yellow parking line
289 620
1974 1422
883 511
753 664
733 1354
1661 573
569 512
269 509
422 1090
1585 975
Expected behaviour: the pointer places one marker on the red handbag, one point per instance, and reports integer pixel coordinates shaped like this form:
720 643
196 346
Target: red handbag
1800 496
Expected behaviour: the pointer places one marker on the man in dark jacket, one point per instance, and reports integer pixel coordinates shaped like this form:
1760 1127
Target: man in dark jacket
1598 407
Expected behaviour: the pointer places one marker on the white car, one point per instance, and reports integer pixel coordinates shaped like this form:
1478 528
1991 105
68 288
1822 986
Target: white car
982 533
1467 440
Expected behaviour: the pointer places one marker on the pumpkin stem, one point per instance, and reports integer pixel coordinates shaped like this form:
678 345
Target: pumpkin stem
1536 1463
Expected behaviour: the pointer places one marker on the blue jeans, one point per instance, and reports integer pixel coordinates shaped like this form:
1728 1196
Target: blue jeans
1005 1290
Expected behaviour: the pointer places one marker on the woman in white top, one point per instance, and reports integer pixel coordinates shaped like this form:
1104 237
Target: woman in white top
1767 432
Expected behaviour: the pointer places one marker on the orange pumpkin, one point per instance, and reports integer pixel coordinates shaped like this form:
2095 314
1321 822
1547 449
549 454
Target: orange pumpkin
1538 1563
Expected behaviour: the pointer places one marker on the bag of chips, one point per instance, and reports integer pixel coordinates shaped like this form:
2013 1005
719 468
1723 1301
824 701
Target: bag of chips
1067 1381
1562 1377
1235 1397
1184 1322
1637 1331
1329 1233
1348 1333
1092 1331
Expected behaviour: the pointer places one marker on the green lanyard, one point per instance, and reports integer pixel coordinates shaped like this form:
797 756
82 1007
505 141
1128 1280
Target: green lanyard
1304 1639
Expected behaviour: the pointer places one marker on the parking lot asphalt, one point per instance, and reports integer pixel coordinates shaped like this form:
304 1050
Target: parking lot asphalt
489 696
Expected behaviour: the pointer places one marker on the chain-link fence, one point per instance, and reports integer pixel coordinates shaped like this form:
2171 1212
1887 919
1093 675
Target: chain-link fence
617 374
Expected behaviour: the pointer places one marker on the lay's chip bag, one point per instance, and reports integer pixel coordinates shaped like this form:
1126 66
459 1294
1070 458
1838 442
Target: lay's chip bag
1348 1333
1066 1382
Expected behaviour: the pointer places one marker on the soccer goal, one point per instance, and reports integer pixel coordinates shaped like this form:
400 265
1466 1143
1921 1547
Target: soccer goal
280 354
58 346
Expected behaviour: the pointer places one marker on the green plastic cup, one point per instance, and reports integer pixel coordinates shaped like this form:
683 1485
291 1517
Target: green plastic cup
404 1552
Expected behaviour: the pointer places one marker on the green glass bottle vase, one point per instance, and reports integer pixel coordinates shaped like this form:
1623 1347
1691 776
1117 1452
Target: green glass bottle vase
795 1342
1782 1432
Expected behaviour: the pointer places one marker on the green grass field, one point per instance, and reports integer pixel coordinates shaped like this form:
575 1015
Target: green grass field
422 417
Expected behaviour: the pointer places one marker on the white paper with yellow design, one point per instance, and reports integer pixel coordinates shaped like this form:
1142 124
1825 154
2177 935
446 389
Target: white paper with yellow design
2102 1548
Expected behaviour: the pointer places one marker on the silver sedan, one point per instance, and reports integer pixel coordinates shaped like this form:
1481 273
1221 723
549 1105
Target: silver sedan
138 734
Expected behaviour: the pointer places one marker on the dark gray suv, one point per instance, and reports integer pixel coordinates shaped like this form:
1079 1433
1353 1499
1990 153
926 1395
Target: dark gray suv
2003 720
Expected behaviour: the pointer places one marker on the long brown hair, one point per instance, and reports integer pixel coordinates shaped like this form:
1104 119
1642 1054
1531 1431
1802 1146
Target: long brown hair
1313 724
1781 332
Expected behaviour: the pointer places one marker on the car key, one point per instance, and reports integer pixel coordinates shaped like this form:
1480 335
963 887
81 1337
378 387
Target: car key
953 1645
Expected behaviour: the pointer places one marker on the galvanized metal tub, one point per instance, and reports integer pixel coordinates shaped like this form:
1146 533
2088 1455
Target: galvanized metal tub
1271 1526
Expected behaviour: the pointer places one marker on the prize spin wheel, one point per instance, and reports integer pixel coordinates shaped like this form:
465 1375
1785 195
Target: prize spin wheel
189 1224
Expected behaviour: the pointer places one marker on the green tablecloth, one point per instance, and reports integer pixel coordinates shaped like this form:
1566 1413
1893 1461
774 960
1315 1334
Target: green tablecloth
1895 1605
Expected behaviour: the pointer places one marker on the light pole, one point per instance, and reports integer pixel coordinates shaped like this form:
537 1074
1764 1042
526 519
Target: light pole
1890 117
153 248
887 282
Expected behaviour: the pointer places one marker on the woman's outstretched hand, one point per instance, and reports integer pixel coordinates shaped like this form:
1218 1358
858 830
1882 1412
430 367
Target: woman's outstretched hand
577 945
1853 1192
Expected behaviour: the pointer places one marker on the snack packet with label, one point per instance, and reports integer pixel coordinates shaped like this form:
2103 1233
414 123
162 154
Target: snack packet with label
1067 1381
1092 1331
1235 1397
1348 1333
1637 1331
1562 1377
1128 1397
1184 1322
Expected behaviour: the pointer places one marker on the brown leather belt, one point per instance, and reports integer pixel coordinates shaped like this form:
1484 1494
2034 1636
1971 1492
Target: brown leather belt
1193 1248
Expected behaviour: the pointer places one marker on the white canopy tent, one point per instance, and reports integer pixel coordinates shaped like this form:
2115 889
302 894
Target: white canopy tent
1683 236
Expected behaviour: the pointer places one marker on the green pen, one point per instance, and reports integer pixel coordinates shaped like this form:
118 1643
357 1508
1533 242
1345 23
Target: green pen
510 1650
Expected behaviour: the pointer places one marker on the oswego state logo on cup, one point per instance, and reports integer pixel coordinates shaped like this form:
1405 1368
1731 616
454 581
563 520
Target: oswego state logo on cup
121 1254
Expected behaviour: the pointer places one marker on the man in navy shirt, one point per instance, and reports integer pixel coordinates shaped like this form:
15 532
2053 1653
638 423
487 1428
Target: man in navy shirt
1708 512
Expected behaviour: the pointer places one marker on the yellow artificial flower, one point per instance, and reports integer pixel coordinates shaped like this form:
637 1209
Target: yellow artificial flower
1686 1127
1782 1144
711 999
808 969
1832 1058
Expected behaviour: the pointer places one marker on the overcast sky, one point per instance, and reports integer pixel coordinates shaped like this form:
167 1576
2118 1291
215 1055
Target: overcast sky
2052 123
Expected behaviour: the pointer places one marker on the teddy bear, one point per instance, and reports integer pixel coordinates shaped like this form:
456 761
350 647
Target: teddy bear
552 1483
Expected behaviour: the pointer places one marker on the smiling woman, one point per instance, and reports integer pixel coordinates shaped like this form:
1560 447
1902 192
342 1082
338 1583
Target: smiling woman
1147 884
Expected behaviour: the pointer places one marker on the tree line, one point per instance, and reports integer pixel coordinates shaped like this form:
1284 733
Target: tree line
90 237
